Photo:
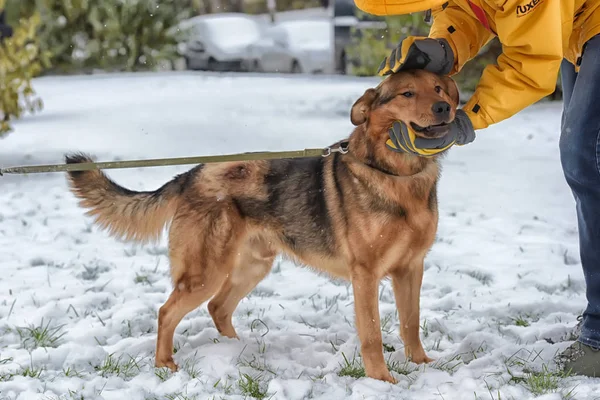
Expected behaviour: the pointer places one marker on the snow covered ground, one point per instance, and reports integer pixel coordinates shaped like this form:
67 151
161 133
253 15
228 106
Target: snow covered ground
502 288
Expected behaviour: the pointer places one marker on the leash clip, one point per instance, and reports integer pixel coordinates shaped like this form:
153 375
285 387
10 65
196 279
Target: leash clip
342 149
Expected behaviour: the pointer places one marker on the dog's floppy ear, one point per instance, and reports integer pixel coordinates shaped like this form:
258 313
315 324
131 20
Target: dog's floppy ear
452 89
362 107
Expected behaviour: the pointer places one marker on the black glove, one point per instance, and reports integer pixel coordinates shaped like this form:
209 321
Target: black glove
403 138
417 52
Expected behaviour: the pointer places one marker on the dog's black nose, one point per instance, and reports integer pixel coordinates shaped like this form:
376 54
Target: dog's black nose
441 109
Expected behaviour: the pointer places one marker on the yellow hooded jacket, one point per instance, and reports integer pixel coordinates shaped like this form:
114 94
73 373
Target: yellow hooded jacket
535 35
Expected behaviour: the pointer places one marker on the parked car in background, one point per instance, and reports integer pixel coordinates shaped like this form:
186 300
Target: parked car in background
300 46
218 42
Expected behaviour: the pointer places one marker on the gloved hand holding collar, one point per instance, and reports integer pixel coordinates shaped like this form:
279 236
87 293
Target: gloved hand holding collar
416 52
404 139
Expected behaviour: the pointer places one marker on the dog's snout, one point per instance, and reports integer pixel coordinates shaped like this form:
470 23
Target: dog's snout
441 109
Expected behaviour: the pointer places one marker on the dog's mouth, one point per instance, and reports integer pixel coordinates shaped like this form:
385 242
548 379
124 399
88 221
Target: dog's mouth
431 131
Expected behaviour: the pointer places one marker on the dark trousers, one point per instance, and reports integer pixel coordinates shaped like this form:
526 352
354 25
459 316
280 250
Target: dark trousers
580 158
5 30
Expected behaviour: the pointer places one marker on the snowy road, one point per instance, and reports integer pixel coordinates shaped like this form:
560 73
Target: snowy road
502 283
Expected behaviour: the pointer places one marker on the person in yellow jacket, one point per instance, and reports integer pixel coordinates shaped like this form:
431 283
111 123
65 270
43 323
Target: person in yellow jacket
539 38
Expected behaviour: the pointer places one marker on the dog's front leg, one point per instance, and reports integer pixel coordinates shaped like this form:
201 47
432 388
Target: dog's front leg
366 307
406 282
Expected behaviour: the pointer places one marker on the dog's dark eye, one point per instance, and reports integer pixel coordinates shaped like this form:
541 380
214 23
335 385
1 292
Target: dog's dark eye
438 89
408 94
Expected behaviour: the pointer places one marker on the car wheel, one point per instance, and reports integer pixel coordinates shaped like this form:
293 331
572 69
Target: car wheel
296 69
212 65
256 67
188 64
344 64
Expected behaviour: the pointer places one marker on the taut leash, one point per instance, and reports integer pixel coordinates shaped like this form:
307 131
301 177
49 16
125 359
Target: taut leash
162 162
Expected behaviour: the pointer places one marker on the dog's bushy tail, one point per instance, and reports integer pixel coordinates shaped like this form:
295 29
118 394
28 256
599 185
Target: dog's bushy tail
126 214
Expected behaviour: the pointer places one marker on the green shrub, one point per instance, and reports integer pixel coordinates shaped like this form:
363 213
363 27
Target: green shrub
111 35
20 61
369 46
56 36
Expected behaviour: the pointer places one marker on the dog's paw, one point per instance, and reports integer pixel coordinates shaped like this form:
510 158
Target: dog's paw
422 359
168 363
383 376
417 356
388 378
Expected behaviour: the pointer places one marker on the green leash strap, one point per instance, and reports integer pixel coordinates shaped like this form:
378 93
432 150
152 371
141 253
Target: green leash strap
161 162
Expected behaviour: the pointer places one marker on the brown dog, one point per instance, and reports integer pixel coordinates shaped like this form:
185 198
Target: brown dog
364 215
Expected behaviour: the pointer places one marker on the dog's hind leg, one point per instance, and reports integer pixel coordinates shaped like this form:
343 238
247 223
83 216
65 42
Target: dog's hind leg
366 305
184 299
202 254
253 264
406 282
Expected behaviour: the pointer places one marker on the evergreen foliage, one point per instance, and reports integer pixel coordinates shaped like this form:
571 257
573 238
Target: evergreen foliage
20 61
111 35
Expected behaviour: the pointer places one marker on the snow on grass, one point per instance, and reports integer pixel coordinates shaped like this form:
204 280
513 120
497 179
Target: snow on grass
501 292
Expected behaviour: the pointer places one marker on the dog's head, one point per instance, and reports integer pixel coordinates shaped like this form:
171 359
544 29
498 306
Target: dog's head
425 101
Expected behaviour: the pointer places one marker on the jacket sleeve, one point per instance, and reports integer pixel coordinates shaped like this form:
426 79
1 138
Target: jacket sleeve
465 34
526 71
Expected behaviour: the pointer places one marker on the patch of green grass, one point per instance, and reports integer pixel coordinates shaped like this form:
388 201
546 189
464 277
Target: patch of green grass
251 386
387 322
28 372
474 353
425 328
436 344
31 372
162 373
75 396
570 395
225 386
537 382
449 366
5 377
121 366
72 395
72 372
352 368
520 358
142 279
521 321
401 368
544 381
257 364
180 396
191 368
317 377
261 346
40 336
173 396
